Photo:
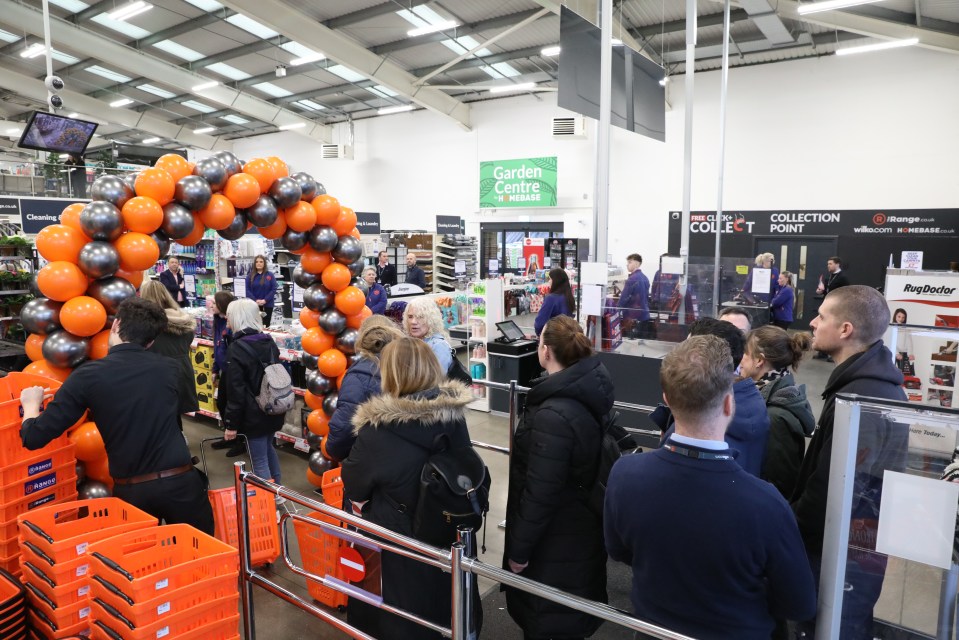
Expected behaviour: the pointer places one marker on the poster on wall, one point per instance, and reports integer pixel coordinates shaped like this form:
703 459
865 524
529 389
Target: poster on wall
927 300
534 250
525 182
927 360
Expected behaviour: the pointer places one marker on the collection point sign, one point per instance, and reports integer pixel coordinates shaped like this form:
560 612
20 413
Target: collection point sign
527 182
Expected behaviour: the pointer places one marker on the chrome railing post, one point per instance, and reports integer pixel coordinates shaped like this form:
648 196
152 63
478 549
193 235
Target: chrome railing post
459 624
512 413
242 517
466 537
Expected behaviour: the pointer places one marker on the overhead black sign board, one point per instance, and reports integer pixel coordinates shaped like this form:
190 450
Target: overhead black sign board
9 206
368 223
37 213
448 224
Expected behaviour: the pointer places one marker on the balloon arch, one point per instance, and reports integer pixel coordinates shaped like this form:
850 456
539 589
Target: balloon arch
99 251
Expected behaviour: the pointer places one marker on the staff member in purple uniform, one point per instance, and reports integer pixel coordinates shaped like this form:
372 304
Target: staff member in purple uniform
261 287
376 296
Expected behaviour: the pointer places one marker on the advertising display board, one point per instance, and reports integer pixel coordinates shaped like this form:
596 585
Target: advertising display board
526 182
37 213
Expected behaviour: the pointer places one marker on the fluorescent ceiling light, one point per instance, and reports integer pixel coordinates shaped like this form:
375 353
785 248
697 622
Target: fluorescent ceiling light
157 91
295 125
179 50
522 86
230 72
313 57
33 51
122 102
6 36
13 132
198 106
309 104
664 81
73 6
506 69
251 26
272 89
131 9
304 54
125 28
150 140
64 57
206 85
108 74
72 115
550 51
347 74
204 130
235 119
829 5
385 111
206 5
432 28
880 46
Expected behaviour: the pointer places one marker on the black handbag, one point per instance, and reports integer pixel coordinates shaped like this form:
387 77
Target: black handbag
457 370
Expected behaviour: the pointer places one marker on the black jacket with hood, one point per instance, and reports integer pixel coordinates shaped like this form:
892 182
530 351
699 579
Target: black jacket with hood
175 343
548 523
791 421
240 384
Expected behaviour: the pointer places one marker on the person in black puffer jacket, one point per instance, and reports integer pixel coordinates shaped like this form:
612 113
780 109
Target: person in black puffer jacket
552 536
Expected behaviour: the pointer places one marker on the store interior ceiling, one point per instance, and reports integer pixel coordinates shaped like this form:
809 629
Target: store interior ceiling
196 73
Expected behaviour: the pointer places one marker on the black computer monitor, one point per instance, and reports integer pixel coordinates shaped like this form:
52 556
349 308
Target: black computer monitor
50 132
511 332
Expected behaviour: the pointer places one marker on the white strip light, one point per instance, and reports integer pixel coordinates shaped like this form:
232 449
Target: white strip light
122 102
34 50
829 5
206 85
521 86
13 132
204 130
150 140
432 28
550 51
295 125
881 46
385 111
127 11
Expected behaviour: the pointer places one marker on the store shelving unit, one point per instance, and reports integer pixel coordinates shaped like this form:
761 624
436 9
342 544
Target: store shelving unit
485 309
447 251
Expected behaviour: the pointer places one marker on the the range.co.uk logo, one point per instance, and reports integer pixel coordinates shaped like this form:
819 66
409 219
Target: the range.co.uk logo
879 218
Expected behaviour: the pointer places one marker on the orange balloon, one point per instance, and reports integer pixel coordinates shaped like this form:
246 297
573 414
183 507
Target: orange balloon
314 261
280 168
276 230
34 347
83 316
331 363
88 442
336 277
196 235
142 214
155 183
308 318
71 215
263 171
339 379
313 401
133 277
345 222
100 345
47 370
176 165
99 469
61 281
60 242
350 301
327 209
316 341
242 190
138 251
300 217
354 322
355 233
318 423
314 479
219 213
323 449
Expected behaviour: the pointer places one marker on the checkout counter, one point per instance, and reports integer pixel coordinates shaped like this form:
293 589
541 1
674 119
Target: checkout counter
511 357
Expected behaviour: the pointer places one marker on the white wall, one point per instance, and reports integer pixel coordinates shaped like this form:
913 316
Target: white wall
877 130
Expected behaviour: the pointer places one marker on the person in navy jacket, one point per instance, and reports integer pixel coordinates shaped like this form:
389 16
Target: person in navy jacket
634 301
172 279
558 302
376 296
261 287
781 306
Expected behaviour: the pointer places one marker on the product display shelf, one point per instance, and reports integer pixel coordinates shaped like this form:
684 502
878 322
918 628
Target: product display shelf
447 252
484 310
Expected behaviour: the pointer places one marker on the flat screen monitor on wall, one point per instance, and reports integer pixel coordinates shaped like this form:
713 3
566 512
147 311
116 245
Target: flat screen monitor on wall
638 99
50 132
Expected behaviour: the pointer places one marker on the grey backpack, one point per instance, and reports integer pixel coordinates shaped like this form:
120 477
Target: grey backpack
276 387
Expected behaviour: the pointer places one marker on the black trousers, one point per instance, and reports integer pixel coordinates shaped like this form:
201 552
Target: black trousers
175 500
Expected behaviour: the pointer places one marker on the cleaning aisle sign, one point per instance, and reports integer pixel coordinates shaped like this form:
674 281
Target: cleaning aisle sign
527 182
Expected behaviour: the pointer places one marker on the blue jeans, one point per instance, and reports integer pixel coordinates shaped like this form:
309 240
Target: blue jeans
266 463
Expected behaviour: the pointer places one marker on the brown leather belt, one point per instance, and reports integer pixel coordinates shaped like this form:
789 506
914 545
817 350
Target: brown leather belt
156 475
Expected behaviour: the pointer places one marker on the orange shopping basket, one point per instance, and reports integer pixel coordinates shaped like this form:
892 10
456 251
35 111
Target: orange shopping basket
319 551
261 509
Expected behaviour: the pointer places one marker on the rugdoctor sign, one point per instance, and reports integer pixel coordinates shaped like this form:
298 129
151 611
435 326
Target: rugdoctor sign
931 300
527 182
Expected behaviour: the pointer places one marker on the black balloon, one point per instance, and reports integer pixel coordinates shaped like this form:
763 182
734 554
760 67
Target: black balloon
81 470
307 185
212 170
41 316
348 250
236 229
318 384
193 192
111 189
318 298
162 242
356 268
98 259
110 292
130 180
346 341
329 403
286 192
65 350
320 190
332 321
323 238
294 240
354 359
360 284
101 221
304 278
34 287
177 221
318 464
263 213
92 490
308 361
313 440
230 162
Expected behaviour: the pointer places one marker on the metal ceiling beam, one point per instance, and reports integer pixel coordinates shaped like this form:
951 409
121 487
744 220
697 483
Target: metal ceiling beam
296 25
678 26
764 16
762 45
506 56
498 22
589 10
369 13
92 11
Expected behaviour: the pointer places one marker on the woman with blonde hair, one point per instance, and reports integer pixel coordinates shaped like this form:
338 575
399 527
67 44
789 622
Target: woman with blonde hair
396 433
261 287
422 319
174 342
763 261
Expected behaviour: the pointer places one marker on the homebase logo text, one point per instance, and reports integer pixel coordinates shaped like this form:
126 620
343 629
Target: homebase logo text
927 289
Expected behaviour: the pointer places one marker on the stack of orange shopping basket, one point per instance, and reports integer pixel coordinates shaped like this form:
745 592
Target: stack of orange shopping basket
56 568
28 479
13 615
167 582
319 550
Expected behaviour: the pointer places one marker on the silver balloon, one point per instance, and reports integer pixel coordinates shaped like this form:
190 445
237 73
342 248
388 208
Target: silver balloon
130 180
111 189
236 229
263 213
332 321
294 240
320 190
318 384
348 250
41 316
110 292
98 259
313 440
230 162
356 268
101 221
177 221
304 278
318 464
318 298
93 489
65 350
346 341
34 287
329 403
323 238
193 192
307 185
162 241
81 471
213 171
286 192
308 361
360 284
354 359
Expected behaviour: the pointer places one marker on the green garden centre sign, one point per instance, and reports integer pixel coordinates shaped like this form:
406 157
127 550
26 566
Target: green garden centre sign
528 182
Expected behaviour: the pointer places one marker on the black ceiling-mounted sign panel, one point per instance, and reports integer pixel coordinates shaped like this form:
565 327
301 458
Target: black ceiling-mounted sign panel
368 223
448 224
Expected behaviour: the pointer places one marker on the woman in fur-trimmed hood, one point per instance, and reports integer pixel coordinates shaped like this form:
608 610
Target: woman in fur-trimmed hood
175 342
395 434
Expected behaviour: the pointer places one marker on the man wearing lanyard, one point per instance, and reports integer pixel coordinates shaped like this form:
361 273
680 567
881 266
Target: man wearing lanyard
173 280
385 272
715 552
